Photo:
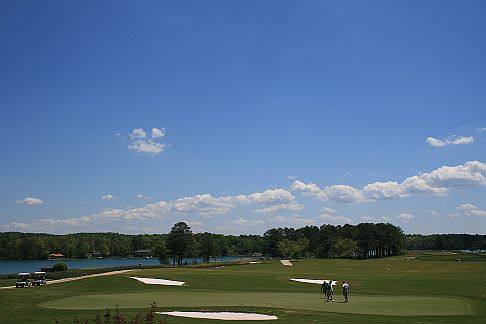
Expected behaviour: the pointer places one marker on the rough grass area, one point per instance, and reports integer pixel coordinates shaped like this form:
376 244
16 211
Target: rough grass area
382 291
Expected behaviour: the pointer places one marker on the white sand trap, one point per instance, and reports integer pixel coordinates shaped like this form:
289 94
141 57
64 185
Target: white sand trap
286 263
152 281
224 316
254 262
315 281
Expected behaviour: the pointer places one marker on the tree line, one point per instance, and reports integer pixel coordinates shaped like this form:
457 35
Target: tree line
446 242
327 241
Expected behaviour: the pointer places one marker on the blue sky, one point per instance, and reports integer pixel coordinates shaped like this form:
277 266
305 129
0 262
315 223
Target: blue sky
239 116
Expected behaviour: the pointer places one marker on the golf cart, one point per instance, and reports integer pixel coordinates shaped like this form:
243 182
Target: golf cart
39 278
23 280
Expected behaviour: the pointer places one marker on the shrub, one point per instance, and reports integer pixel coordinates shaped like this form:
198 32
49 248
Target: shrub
60 267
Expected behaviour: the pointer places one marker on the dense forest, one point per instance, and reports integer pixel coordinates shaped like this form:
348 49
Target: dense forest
349 241
446 242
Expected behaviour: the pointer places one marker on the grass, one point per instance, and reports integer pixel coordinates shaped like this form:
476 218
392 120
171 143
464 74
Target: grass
382 291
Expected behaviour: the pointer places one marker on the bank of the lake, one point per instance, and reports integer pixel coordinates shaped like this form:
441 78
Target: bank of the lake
15 266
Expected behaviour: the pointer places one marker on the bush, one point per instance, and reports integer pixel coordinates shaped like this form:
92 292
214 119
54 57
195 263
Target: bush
60 267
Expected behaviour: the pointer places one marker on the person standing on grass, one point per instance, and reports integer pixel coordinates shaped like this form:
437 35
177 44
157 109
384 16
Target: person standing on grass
324 288
345 291
328 288
331 291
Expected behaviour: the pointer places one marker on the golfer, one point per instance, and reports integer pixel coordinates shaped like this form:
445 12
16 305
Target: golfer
330 292
324 288
345 291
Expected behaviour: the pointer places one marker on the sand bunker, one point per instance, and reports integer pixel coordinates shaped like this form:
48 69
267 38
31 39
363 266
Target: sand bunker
315 281
225 316
286 263
254 262
152 281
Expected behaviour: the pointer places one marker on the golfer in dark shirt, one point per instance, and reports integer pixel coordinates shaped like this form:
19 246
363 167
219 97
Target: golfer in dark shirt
345 291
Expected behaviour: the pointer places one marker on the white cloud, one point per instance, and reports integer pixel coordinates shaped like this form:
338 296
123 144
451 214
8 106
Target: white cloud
339 193
140 143
481 129
451 140
419 184
328 210
147 146
202 204
158 132
384 190
438 182
274 208
471 210
205 204
267 197
344 194
471 173
142 197
108 197
138 133
30 201
335 219
404 217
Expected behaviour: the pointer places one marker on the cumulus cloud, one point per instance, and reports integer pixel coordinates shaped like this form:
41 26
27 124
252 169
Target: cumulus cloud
451 140
30 201
471 210
404 217
267 197
158 132
206 205
384 190
138 133
140 142
339 193
147 146
438 182
202 204
142 197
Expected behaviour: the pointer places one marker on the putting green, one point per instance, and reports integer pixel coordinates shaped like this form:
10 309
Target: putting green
378 305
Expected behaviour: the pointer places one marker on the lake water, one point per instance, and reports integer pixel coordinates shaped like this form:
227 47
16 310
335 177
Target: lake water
16 266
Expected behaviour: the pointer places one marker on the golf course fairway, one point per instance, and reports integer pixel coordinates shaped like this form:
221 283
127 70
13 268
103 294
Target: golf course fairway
378 305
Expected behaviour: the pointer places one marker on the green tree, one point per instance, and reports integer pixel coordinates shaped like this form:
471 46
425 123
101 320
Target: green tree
345 248
207 245
160 250
179 240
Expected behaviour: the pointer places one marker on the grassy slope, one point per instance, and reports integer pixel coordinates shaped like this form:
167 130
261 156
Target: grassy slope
408 288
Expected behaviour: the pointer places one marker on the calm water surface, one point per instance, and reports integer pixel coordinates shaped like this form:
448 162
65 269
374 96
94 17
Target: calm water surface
7 266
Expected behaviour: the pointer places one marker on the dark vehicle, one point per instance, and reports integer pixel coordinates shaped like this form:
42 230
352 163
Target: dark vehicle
23 280
38 278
